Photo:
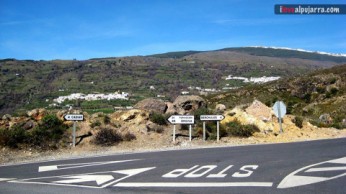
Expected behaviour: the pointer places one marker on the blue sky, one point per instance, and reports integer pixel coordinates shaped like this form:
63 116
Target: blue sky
83 29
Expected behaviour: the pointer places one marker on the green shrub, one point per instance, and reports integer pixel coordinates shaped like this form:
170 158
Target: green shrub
13 137
96 123
157 118
107 137
201 111
106 119
235 128
298 121
48 132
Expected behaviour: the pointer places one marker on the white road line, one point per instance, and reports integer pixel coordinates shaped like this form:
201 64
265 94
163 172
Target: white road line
202 184
326 169
6 179
78 165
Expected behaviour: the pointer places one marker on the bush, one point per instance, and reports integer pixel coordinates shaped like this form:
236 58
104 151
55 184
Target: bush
107 137
106 119
235 128
13 137
129 136
298 121
97 123
157 118
48 132
201 111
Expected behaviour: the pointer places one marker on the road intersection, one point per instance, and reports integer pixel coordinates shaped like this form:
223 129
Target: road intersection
314 166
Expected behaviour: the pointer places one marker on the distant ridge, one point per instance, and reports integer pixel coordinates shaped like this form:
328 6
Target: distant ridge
280 52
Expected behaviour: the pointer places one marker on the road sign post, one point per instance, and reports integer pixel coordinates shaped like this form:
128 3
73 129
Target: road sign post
182 119
74 134
173 133
74 118
216 118
218 131
280 111
204 131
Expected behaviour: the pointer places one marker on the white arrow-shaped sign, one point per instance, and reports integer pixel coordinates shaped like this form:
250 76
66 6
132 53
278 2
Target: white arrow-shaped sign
100 179
74 117
211 117
181 119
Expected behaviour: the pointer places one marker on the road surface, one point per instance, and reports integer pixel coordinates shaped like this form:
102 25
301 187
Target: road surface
305 167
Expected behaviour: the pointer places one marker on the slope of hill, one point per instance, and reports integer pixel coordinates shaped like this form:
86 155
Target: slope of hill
269 52
28 84
319 96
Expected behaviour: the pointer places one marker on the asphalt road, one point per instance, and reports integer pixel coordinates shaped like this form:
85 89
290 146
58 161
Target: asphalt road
306 167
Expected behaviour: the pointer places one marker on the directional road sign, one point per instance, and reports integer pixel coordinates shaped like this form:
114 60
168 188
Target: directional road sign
74 117
279 109
182 119
211 117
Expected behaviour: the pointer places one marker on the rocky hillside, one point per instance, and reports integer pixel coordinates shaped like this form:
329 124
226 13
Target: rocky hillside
28 84
319 97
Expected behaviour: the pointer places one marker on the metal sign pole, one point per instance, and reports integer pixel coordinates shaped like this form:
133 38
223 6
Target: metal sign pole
203 131
173 133
279 114
218 130
74 134
190 132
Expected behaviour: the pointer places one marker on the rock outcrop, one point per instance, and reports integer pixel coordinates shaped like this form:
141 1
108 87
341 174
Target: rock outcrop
187 104
37 114
152 104
259 110
220 108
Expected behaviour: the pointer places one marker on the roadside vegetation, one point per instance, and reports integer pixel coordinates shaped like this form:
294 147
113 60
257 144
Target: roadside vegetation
49 134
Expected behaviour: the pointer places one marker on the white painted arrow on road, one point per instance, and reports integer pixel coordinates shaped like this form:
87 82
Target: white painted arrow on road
103 179
100 179
294 180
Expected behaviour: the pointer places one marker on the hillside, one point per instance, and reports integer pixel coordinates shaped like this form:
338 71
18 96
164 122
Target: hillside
319 97
28 84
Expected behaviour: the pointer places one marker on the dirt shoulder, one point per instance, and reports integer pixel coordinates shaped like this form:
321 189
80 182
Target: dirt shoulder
163 141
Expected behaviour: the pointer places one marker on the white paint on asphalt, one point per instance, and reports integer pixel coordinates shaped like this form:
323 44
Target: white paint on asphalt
294 180
129 173
6 179
247 171
221 174
192 184
201 171
79 165
244 171
100 179
326 169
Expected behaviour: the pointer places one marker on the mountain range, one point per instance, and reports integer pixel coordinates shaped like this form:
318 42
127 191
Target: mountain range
28 84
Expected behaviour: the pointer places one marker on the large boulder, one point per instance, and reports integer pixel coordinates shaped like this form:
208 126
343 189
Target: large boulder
37 114
187 104
259 110
220 108
152 104
7 117
326 118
